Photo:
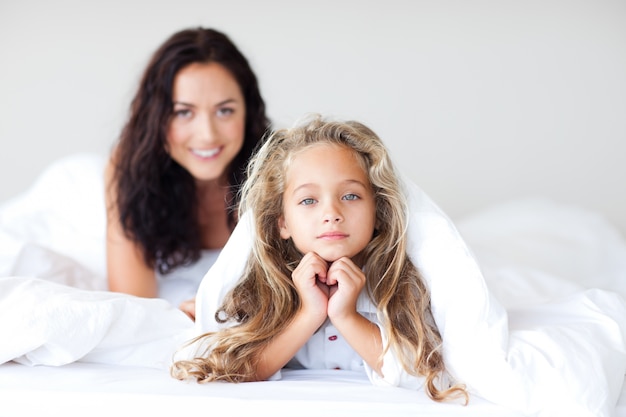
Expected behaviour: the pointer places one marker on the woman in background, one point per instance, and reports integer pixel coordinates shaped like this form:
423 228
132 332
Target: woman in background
172 179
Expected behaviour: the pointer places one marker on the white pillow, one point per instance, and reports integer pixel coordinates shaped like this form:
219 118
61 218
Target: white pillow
546 237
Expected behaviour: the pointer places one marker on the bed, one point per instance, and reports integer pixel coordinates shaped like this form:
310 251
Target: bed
529 296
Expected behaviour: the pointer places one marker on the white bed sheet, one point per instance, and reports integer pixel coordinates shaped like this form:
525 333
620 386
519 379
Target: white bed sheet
530 252
107 390
80 389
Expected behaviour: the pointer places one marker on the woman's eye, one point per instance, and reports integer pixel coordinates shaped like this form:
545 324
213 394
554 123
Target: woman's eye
183 113
307 201
350 197
225 111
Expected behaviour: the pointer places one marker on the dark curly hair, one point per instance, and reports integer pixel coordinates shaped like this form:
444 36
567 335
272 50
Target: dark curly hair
156 197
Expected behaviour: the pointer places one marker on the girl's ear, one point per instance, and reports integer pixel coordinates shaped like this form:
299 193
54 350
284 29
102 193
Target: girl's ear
282 227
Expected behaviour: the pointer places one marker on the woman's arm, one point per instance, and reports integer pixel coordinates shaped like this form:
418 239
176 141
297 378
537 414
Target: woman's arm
126 270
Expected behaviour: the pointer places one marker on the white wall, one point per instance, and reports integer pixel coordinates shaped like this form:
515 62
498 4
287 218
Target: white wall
479 101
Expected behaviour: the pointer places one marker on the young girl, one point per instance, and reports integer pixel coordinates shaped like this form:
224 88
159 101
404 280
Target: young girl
328 283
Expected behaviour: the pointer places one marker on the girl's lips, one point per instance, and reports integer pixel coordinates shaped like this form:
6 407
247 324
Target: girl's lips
333 235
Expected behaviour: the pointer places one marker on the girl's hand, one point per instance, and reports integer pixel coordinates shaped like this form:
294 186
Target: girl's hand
309 278
345 280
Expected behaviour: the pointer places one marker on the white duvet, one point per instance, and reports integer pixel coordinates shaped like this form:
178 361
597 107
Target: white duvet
538 327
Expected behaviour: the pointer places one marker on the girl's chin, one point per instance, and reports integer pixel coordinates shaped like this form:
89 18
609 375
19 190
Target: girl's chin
332 257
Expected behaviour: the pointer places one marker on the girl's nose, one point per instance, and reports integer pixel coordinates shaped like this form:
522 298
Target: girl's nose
332 215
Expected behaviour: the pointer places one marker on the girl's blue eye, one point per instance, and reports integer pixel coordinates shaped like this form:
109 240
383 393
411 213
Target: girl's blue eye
350 197
307 201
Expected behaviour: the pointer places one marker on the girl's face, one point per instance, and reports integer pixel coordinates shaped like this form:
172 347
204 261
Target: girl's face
207 127
328 203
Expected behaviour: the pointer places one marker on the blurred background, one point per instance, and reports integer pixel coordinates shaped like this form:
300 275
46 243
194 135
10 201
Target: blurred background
480 102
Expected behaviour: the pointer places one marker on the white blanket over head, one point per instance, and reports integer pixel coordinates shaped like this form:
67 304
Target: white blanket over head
528 358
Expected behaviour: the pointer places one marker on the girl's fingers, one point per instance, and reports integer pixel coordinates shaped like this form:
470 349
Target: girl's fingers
311 269
309 277
344 269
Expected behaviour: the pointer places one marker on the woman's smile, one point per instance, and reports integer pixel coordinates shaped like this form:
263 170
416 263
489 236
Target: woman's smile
206 153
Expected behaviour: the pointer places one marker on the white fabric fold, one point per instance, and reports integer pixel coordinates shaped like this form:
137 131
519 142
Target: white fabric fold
45 323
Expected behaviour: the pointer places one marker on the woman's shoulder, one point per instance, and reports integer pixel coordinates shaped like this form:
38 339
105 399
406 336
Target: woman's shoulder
109 175
109 166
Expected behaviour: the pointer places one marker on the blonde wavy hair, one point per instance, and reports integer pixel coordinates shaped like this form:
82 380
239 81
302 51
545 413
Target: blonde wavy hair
265 300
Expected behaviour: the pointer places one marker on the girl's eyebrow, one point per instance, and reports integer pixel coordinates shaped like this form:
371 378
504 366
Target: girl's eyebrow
310 184
306 185
350 181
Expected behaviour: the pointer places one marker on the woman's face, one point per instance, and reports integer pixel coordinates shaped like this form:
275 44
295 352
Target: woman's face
207 126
